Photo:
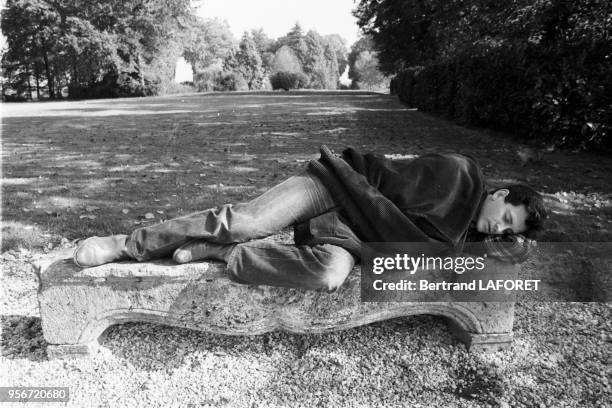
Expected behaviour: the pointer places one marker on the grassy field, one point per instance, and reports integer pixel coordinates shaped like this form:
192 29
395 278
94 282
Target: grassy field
81 168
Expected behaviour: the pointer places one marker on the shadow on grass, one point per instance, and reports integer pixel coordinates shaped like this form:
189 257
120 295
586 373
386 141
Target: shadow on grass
162 163
22 337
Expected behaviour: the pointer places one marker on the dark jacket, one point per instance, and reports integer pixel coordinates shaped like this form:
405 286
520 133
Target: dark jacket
432 198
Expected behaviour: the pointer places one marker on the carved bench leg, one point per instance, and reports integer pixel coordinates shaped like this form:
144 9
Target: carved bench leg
489 343
72 350
481 342
88 344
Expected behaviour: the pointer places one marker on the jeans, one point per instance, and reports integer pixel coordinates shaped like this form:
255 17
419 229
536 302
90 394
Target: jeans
251 260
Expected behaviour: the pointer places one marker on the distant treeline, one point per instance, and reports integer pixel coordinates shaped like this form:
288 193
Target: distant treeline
112 48
541 69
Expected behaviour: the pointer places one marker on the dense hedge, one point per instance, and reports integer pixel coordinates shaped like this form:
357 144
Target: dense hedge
561 97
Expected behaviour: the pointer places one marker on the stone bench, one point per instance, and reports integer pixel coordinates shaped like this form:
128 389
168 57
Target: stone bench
78 305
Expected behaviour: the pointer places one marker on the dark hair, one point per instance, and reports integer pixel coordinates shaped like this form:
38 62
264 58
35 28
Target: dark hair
533 202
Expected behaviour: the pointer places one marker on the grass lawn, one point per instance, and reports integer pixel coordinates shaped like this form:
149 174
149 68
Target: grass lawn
76 169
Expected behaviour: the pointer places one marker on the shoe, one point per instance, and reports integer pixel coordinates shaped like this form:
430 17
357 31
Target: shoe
96 251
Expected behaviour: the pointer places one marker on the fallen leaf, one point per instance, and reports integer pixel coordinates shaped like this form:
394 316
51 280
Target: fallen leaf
125 211
159 212
149 216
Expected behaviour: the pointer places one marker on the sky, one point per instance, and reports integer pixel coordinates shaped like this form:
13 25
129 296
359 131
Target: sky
277 17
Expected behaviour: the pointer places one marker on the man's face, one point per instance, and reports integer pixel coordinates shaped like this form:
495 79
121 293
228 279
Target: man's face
498 217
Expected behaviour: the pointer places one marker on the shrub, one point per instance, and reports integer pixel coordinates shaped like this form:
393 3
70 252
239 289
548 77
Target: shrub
556 97
265 84
544 71
115 85
286 80
205 81
15 98
303 81
230 81
172 87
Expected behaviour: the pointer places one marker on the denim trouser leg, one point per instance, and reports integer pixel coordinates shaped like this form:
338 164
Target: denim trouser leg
295 200
261 262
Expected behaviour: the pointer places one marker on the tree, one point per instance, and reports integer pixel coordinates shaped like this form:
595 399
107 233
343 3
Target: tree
410 33
80 43
338 44
31 35
370 77
207 43
265 46
313 59
538 67
332 71
364 43
146 27
295 40
247 62
319 62
311 54
295 36
285 60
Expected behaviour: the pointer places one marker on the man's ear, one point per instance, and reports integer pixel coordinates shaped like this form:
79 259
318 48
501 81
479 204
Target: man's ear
501 193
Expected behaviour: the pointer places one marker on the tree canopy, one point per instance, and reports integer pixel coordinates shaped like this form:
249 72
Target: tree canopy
80 44
537 67
130 48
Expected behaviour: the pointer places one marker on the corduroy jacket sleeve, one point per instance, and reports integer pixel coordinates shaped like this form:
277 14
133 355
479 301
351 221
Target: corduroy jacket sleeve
374 217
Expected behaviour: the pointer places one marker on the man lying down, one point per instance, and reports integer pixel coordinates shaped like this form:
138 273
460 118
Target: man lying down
334 205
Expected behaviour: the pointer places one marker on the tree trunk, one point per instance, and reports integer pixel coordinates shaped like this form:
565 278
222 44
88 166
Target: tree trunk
29 85
48 72
75 73
140 74
37 77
